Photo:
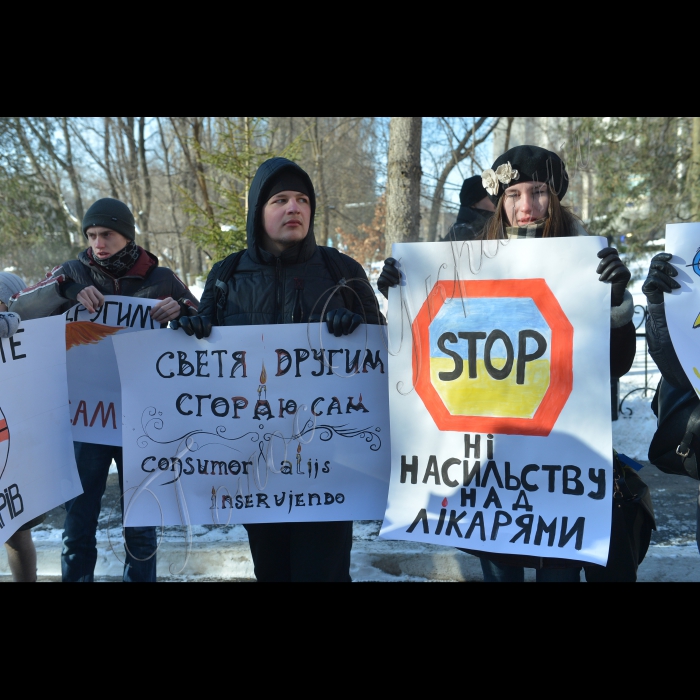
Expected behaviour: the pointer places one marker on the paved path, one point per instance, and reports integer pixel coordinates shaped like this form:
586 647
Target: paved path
221 553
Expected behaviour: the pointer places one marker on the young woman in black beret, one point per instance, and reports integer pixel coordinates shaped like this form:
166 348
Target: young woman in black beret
527 185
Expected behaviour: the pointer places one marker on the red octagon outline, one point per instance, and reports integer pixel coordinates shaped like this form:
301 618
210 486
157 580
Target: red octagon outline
562 374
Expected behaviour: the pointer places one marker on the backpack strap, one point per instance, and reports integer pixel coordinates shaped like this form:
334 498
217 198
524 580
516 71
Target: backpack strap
333 260
221 285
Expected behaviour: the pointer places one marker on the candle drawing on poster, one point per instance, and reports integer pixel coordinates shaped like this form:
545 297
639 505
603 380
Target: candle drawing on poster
500 398
93 377
254 424
683 305
37 462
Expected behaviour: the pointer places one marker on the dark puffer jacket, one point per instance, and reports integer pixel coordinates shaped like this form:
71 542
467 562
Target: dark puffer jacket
469 225
292 288
675 395
58 292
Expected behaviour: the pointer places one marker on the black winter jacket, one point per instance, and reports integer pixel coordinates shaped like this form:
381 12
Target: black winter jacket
469 225
675 394
292 288
58 292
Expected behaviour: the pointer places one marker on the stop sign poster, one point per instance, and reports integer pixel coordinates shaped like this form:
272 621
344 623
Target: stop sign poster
499 377
683 306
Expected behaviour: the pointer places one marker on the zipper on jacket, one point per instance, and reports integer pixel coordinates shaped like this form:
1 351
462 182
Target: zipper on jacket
278 287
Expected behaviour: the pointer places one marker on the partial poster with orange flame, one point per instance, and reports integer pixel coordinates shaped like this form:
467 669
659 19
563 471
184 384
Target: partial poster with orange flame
37 462
93 376
255 424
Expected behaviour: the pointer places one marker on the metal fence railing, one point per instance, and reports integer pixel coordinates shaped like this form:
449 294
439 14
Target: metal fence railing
649 368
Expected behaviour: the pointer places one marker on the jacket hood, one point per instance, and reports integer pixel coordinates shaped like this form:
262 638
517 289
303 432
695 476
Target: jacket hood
257 197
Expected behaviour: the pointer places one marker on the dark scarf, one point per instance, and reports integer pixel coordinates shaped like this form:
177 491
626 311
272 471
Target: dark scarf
120 263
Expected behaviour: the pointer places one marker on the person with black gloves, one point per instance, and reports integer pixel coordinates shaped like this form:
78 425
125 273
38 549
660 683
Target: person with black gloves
676 403
279 279
113 264
475 210
526 186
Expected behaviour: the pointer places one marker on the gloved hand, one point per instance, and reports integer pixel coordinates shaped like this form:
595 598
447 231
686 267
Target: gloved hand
9 323
660 278
197 326
613 270
390 277
342 322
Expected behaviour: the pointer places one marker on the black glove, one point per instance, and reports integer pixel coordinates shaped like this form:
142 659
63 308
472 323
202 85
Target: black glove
613 270
390 277
197 326
342 322
660 279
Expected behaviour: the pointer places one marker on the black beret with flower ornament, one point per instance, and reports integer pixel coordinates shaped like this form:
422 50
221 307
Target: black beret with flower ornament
526 164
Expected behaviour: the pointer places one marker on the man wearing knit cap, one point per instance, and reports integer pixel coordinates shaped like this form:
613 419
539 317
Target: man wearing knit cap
279 279
112 265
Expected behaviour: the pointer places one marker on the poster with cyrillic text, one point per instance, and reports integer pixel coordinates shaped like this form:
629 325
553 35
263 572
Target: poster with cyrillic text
499 388
257 424
37 462
93 375
683 305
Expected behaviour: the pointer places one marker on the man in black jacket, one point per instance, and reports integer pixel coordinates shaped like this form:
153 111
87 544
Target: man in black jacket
675 397
285 277
112 265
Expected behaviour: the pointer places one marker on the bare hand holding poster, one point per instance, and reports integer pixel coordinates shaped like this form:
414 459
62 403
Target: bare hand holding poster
93 378
683 305
255 424
500 398
37 462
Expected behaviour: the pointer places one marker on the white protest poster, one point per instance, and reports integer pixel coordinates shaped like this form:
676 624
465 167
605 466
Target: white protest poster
37 462
93 378
683 306
255 424
499 377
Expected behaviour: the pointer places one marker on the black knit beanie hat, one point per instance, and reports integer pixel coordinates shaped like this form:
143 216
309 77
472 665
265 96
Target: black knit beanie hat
287 180
112 214
526 164
472 191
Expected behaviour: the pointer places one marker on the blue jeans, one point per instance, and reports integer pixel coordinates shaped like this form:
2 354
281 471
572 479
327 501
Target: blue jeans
79 554
498 573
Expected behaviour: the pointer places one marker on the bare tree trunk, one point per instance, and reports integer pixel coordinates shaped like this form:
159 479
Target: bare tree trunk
694 171
72 174
108 159
509 129
403 181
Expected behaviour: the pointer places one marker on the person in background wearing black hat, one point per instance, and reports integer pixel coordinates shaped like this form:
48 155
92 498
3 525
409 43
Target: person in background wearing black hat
676 443
112 265
279 279
475 210
21 553
474 213
526 186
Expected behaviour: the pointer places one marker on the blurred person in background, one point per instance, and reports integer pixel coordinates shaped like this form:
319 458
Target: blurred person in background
475 210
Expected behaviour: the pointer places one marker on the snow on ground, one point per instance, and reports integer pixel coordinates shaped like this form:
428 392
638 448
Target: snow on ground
633 432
